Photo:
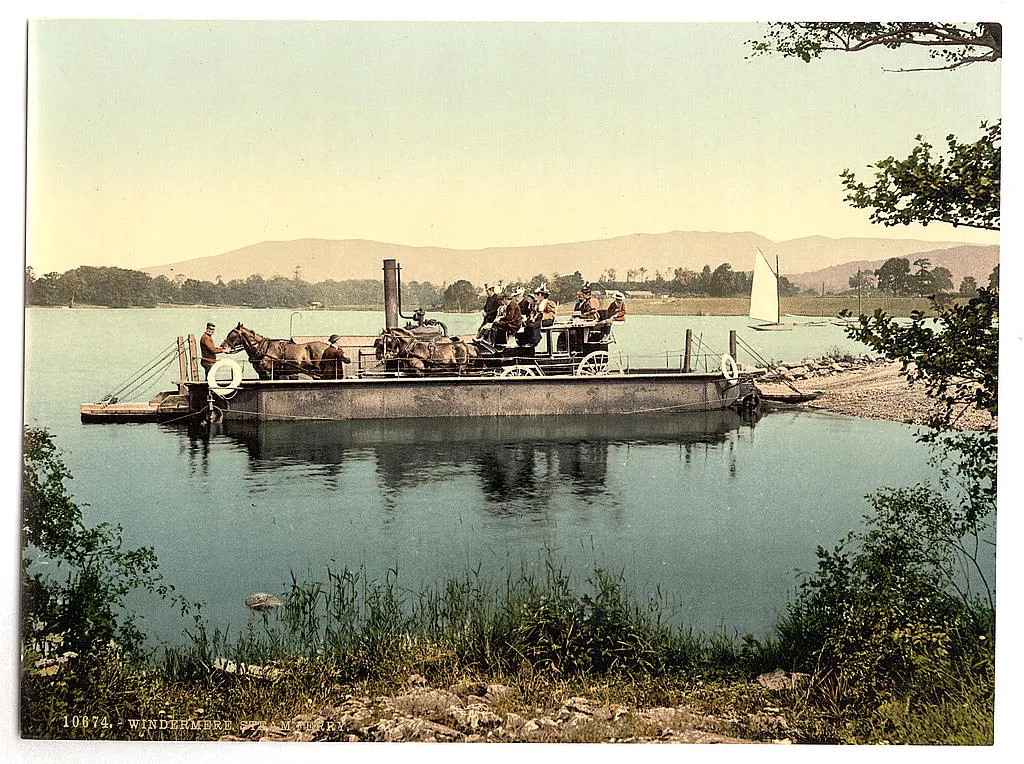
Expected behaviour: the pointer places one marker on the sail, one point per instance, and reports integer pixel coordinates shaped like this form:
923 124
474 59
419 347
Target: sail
764 291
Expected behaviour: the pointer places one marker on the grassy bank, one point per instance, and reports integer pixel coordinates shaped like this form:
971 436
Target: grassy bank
546 640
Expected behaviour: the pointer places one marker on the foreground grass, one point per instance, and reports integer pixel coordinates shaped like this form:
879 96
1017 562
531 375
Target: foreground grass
547 640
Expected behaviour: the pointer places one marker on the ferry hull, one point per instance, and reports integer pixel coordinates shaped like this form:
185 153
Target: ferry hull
412 397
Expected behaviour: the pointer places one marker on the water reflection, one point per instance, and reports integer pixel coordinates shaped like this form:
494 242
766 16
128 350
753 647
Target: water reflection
521 457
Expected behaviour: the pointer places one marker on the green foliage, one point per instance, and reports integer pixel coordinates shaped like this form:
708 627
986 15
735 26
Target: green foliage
86 607
968 287
960 188
379 630
862 279
120 288
461 297
993 278
955 356
887 616
894 276
564 288
891 622
949 45
73 615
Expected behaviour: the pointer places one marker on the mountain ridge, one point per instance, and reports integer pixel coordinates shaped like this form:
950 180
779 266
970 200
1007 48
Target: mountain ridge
807 261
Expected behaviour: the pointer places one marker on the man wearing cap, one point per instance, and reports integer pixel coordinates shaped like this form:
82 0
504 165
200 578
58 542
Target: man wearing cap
616 310
208 350
332 362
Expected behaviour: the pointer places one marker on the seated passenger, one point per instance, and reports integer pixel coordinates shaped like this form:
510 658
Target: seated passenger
616 310
491 305
547 307
509 319
586 304
532 318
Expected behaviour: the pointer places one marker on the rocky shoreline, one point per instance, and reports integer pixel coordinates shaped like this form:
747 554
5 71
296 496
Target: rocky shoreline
864 387
477 712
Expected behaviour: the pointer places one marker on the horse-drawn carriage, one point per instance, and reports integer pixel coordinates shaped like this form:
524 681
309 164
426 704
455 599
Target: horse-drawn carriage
576 347
572 348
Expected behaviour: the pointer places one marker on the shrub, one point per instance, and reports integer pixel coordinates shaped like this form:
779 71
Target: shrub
73 618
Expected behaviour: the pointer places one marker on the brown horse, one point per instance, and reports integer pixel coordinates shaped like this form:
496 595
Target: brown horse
272 358
422 355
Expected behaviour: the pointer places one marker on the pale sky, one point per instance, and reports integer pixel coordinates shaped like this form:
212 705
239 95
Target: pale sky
156 141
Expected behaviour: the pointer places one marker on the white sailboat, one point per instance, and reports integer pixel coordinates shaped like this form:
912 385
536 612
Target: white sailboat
764 295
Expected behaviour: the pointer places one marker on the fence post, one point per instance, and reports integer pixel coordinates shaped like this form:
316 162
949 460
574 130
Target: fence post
686 353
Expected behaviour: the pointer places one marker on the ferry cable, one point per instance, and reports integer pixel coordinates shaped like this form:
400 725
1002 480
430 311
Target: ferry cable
162 360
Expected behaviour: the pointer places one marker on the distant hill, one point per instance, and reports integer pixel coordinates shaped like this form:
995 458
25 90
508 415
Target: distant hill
320 259
965 260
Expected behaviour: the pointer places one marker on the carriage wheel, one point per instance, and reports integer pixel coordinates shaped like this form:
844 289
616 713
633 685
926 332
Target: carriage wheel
593 364
518 371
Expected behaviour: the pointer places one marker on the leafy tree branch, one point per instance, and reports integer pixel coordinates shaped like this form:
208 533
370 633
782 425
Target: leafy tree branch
961 188
951 46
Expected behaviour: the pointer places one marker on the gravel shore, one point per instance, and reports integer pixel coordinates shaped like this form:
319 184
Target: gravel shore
873 391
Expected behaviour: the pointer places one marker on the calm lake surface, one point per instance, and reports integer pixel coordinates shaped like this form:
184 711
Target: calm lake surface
715 511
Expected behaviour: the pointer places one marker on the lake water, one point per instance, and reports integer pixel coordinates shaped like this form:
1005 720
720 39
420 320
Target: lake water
715 511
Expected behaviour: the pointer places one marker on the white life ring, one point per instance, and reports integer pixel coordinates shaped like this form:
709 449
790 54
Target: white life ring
729 368
216 386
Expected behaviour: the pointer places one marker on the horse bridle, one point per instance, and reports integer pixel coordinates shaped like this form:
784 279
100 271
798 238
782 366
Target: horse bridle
256 349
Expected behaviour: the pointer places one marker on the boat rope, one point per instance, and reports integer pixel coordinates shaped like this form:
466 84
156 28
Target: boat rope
144 376
699 406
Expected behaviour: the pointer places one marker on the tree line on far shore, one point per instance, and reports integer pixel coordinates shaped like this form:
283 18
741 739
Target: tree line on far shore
122 288
895 277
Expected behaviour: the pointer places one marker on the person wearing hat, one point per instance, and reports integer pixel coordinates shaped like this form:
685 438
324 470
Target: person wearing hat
509 319
547 307
491 306
208 350
332 362
616 310
529 306
586 304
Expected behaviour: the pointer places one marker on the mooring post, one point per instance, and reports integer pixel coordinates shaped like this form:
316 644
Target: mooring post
686 353
732 344
192 352
182 365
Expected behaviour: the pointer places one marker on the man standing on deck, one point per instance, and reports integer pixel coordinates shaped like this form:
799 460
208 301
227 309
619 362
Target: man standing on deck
333 361
209 350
